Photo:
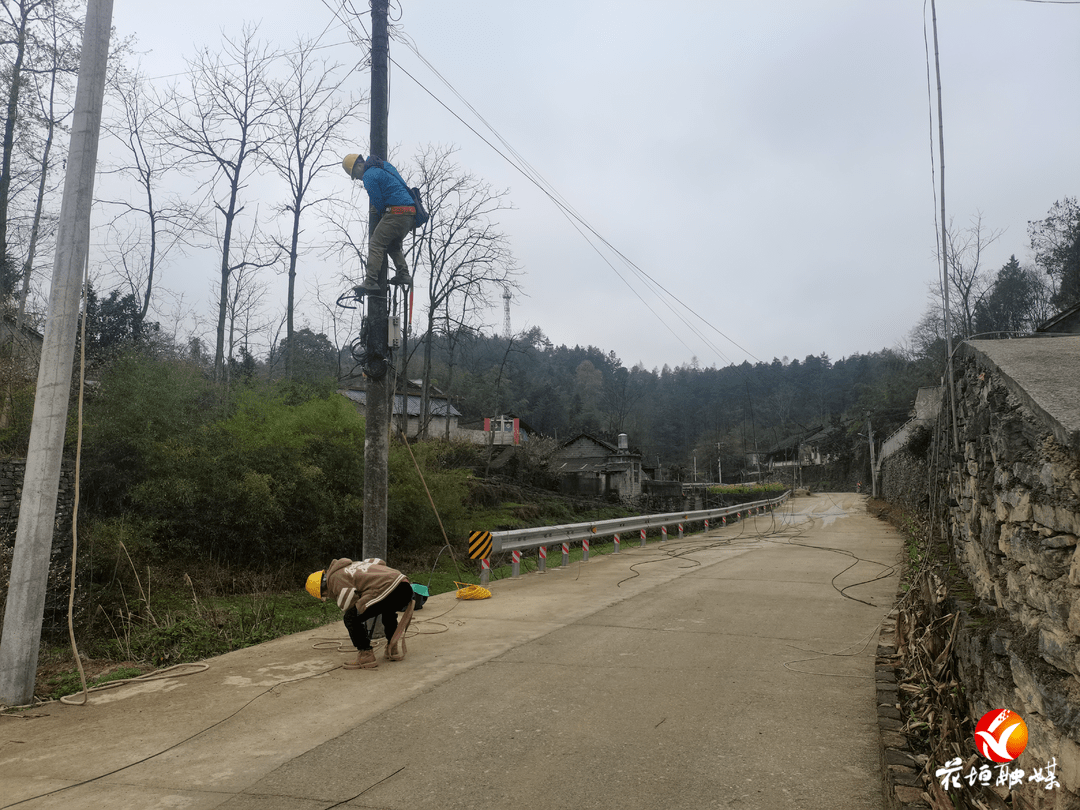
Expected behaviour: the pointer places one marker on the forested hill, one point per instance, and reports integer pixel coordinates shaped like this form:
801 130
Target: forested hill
674 414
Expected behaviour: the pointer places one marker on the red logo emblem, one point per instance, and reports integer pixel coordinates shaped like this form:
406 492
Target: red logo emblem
1001 735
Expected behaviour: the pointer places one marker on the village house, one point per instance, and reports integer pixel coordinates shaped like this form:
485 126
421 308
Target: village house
442 416
590 466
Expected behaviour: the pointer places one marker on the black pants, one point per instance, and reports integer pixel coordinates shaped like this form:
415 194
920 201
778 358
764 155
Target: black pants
356 622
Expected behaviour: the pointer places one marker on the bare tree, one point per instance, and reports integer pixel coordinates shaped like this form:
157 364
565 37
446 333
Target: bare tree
620 394
244 313
494 409
161 220
51 119
782 401
464 254
41 42
309 118
457 328
927 338
17 41
224 122
967 283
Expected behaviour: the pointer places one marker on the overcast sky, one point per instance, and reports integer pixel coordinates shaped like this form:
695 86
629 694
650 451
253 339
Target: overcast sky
767 164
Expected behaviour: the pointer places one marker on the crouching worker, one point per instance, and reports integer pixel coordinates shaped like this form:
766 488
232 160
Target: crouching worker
364 590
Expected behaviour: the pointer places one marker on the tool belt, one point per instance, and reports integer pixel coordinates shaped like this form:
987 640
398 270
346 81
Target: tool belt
401 209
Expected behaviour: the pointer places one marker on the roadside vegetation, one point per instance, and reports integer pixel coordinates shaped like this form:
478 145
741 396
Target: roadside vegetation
204 506
201 515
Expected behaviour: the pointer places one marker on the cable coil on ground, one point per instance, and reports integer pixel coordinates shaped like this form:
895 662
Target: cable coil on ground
466 591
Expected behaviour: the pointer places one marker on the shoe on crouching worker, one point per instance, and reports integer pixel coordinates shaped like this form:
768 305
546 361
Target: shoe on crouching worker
364 590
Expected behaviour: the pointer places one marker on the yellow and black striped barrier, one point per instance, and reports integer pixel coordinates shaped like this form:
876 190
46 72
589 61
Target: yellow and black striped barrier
479 545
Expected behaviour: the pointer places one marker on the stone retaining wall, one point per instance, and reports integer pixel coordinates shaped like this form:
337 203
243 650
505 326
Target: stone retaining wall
1010 492
56 595
904 480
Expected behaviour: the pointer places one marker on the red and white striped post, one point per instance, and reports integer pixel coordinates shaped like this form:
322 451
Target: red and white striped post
706 524
515 569
541 564
663 533
616 539
565 554
585 550
723 520
643 538
680 531
485 571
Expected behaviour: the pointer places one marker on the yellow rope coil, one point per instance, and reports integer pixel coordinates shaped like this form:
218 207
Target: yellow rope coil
466 591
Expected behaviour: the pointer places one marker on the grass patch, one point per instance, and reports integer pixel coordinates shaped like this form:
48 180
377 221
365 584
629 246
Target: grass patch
69 682
175 627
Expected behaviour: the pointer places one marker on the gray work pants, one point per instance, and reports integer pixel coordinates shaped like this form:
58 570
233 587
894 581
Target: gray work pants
384 241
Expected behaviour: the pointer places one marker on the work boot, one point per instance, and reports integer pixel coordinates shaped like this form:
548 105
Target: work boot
365 659
395 647
401 278
368 286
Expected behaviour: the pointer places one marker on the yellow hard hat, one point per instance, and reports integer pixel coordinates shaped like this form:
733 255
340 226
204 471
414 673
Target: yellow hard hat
349 162
314 584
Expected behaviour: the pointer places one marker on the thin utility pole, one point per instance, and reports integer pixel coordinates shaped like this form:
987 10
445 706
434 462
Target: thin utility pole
21 639
873 459
944 237
377 350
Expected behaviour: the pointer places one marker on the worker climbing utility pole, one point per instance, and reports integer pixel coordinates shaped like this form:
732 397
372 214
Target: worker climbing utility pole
21 639
376 346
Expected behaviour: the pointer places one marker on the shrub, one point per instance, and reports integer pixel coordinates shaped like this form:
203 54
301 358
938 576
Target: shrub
411 521
918 443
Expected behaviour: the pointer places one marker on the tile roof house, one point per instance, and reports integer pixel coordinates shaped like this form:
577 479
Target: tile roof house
587 465
1066 322
441 414
803 449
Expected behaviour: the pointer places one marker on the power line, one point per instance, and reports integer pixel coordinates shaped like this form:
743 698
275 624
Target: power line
534 177
522 165
576 220
584 228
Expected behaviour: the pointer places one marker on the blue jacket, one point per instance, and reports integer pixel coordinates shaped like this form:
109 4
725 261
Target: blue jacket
384 185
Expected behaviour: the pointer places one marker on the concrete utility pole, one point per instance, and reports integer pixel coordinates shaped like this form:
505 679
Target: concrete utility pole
21 639
377 350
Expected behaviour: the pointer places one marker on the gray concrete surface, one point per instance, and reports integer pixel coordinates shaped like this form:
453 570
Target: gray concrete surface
727 670
1042 373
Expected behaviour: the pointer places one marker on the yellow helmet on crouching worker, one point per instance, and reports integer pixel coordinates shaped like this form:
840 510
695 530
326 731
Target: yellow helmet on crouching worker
315 584
349 162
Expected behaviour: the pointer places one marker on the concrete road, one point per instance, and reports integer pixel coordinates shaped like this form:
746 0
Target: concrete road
733 669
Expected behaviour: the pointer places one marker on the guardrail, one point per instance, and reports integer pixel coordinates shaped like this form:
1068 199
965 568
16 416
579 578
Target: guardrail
518 540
